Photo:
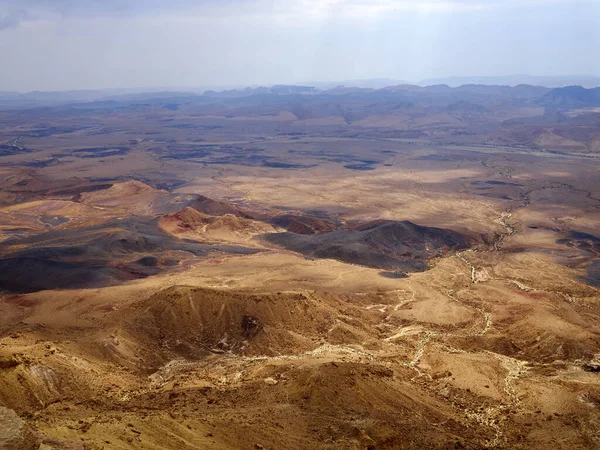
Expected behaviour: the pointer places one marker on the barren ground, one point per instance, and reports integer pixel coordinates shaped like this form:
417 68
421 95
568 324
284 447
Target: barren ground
184 328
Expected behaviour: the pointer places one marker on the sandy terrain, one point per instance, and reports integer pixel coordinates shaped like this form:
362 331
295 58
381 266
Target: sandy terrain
144 307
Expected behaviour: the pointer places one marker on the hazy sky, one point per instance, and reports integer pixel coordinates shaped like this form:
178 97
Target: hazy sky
87 44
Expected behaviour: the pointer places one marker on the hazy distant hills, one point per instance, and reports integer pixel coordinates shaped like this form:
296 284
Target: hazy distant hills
34 99
441 97
279 89
509 86
572 97
514 80
505 80
374 83
560 119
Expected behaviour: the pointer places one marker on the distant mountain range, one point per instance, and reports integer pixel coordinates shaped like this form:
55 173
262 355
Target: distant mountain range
535 90
568 97
374 83
572 97
515 80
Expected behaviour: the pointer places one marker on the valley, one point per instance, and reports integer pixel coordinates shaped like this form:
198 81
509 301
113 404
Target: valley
404 267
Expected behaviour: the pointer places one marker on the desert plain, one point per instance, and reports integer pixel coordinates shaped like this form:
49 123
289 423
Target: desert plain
289 269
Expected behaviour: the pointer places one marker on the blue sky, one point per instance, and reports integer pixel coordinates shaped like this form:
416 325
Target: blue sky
88 44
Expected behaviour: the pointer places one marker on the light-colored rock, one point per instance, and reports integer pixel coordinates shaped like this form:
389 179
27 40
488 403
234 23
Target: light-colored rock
15 434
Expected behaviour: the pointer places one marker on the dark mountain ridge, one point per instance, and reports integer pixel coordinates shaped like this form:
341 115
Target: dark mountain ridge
391 245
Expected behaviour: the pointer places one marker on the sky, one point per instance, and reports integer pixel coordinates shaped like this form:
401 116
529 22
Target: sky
95 44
